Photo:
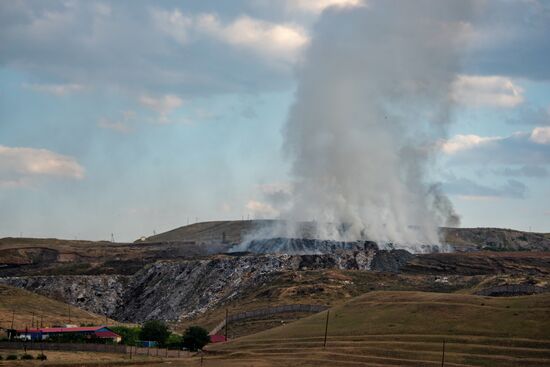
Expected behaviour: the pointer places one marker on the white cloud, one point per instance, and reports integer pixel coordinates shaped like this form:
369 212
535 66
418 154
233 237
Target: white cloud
163 105
261 210
55 89
463 142
495 91
274 40
173 23
541 135
527 148
19 165
317 6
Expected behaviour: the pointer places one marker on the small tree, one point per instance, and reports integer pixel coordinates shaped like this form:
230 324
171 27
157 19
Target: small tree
174 341
154 330
130 335
195 338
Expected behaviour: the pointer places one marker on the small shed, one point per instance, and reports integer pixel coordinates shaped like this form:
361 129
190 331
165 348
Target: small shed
216 338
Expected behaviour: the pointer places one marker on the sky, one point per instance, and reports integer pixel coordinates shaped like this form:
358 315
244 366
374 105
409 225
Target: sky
135 117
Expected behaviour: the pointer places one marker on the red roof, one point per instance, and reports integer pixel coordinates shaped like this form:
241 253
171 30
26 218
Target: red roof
217 338
106 334
61 329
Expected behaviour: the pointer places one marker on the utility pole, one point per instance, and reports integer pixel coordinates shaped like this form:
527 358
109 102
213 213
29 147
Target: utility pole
226 320
326 329
443 355
12 319
69 308
32 322
41 325
112 237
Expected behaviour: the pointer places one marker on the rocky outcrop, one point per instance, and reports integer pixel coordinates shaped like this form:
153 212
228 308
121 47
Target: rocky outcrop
101 294
173 290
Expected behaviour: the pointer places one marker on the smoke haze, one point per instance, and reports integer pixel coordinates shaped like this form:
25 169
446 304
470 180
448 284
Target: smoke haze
372 101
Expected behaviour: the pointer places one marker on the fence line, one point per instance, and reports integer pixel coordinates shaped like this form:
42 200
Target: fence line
84 347
268 312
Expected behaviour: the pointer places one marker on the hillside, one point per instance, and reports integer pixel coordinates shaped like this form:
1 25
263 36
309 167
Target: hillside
46 310
51 256
407 329
463 239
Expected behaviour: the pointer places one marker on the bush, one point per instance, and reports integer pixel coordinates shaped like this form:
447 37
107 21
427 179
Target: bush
130 335
11 357
41 357
1 358
195 338
27 356
174 341
155 330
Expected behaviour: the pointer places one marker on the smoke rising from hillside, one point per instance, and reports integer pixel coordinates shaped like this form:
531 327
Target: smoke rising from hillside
373 98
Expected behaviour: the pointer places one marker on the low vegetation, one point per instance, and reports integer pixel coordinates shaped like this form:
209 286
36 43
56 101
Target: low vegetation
195 338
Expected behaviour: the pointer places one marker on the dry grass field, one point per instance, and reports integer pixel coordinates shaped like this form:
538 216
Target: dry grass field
407 329
381 328
51 312
57 358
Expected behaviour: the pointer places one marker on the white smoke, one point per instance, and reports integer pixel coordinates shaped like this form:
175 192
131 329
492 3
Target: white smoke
372 101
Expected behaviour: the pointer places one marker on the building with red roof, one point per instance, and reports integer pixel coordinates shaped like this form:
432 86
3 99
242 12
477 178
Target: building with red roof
88 332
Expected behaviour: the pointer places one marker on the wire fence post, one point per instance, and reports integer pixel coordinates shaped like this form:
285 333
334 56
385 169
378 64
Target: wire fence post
443 355
326 330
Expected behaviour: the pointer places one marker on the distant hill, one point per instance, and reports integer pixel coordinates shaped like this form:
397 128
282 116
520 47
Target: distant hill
463 239
51 256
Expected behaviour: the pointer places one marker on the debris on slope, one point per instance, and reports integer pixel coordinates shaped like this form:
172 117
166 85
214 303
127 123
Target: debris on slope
174 290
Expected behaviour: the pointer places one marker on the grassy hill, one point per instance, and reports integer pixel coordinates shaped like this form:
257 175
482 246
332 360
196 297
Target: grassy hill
463 239
407 329
52 312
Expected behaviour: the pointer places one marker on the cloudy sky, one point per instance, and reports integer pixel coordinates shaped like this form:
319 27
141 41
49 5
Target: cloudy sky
130 117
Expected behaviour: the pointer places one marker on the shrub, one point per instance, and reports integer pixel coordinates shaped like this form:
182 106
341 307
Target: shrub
41 357
1 358
174 341
130 335
11 357
27 356
155 330
195 338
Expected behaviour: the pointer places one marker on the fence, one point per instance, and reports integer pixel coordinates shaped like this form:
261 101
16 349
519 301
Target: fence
268 312
83 347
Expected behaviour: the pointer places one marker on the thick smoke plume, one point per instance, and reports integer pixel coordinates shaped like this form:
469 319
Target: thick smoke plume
372 102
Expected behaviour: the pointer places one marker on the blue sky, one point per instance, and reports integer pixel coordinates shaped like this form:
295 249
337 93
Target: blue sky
130 117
